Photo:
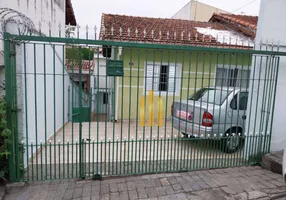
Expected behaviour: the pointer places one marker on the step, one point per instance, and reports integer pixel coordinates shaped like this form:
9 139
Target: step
273 161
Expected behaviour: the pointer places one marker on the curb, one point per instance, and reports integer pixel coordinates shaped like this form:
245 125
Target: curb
11 186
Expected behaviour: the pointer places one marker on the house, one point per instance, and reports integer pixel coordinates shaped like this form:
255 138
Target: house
103 98
41 109
197 11
270 34
147 70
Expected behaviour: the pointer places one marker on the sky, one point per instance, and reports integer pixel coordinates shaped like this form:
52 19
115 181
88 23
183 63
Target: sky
88 12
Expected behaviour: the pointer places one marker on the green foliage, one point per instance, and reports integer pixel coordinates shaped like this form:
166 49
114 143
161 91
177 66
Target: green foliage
75 53
88 53
4 140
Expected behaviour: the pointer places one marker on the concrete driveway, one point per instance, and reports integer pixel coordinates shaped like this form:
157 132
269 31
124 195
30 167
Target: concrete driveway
115 151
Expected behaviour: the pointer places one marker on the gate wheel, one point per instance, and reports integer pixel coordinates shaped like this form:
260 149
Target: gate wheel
232 141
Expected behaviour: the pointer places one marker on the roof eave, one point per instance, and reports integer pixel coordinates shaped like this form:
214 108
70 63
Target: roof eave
70 16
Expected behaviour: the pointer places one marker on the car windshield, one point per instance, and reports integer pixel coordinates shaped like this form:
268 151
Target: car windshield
210 95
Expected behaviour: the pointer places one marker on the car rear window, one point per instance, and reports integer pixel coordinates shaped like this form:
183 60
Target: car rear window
210 95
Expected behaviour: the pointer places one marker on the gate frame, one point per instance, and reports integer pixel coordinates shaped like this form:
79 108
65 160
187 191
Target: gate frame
11 86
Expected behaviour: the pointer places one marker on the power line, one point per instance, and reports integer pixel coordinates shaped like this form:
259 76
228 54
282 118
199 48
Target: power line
244 6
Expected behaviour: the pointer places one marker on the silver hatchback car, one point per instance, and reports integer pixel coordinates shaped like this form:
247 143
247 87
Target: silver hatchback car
213 112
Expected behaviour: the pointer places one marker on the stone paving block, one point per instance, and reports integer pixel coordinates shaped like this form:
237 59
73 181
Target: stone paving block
228 190
161 191
164 198
104 189
86 198
114 196
187 187
95 190
211 184
181 180
131 186
181 196
157 182
53 187
68 193
133 194
122 187
105 197
277 183
241 196
140 184
142 193
274 176
86 191
195 185
169 190
172 180
145 177
203 185
256 194
236 188
113 187
221 181
97 183
164 181
77 193
149 183
151 192
60 192
168 175
123 195
177 187
95 197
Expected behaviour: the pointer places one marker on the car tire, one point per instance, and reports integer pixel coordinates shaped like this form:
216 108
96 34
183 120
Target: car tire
231 143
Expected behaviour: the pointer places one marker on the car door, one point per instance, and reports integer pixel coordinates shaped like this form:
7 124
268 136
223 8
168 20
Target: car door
238 106
243 99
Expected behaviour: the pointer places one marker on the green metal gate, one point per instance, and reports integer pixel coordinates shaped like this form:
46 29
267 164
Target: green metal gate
158 124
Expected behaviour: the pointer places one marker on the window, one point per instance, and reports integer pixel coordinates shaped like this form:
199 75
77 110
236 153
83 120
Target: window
211 96
161 78
229 76
242 101
105 98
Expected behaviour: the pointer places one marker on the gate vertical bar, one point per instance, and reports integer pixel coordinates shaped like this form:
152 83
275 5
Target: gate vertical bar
8 80
80 116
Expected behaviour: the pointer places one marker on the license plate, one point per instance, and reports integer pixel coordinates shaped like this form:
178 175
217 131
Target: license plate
184 115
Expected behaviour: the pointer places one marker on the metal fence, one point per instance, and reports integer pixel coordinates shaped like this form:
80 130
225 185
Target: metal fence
175 108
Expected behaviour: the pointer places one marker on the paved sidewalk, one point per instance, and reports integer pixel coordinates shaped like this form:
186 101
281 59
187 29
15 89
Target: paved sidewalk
238 183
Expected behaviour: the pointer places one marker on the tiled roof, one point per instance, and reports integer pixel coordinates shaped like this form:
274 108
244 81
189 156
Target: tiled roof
249 22
86 65
141 28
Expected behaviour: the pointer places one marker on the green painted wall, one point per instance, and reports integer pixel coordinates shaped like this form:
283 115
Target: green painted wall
200 65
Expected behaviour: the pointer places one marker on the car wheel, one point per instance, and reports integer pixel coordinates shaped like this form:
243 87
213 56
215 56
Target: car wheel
232 142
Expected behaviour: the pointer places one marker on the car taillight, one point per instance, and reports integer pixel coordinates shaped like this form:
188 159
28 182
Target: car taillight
190 117
207 119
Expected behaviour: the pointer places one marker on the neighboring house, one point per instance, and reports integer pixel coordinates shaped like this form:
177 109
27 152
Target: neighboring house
103 98
197 11
40 99
80 82
244 24
171 69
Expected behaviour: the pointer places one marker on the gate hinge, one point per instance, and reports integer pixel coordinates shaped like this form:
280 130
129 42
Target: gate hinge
12 53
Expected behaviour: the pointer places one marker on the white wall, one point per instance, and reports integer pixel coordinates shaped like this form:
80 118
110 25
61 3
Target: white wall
184 13
272 26
43 11
197 11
